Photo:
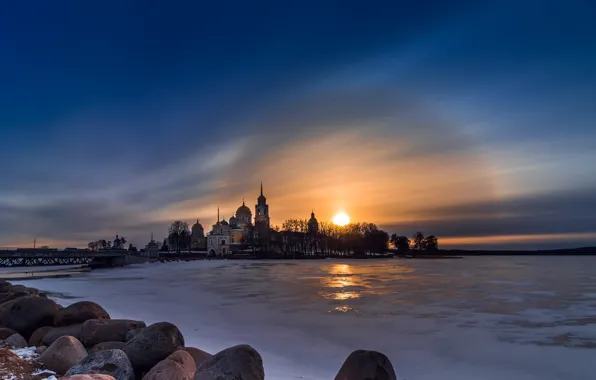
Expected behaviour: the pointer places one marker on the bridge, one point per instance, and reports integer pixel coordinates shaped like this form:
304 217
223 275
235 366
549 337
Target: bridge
31 257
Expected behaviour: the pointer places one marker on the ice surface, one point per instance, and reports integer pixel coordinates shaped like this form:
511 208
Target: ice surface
476 318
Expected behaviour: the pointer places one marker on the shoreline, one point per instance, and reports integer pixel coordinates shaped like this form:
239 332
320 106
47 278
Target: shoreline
80 312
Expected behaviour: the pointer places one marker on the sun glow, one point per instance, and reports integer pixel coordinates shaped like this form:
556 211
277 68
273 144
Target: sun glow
341 219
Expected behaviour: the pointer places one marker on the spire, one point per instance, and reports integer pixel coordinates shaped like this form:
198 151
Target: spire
242 201
151 235
218 214
261 187
197 220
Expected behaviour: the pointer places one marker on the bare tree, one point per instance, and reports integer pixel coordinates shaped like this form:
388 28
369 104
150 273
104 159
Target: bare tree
177 231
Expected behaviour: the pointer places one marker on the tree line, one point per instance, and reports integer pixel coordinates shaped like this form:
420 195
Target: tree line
418 243
103 244
331 239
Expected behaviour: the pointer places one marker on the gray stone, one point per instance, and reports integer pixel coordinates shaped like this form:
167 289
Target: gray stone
199 356
6 332
16 341
40 350
80 312
97 331
57 332
178 366
107 346
152 345
132 333
366 365
38 335
235 363
110 362
64 353
27 314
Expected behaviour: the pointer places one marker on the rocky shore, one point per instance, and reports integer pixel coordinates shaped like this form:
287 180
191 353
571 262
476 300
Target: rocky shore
41 340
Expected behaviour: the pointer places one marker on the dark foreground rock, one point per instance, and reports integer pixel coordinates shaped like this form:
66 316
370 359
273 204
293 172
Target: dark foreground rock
110 362
27 314
366 365
57 332
38 336
107 346
97 331
15 341
6 332
199 356
132 333
152 345
235 363
178 366
80 312
87 377
64 353
12 292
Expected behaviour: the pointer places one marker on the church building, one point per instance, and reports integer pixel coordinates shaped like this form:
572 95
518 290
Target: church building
225 236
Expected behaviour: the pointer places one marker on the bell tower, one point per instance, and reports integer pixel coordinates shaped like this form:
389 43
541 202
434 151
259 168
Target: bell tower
262 210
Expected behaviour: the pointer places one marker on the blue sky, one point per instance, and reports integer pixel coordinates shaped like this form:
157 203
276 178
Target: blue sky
470 120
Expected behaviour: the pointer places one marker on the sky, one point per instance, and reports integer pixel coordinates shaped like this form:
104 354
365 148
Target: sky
474 121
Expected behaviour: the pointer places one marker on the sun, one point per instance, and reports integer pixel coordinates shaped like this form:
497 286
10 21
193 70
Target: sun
341 219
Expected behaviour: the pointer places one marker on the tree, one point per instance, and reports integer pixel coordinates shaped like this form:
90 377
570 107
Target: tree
164 246
177 231
102 244
109 244
123 241
401 243
419 241
132 248
431 243
44 247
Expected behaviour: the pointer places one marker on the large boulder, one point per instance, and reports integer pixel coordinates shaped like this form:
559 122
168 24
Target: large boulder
57 332
64 353
132 333
152 345
80 312
235 363
6 332
199 356
27 314
110 362
12 292
38 336
87 377
15 341
178 366
366 365
107 346
96 331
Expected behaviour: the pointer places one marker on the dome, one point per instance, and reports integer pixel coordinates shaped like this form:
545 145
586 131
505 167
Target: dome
223 223
233 221
243 211
197 225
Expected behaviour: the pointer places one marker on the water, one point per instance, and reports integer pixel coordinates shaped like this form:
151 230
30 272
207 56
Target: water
489 318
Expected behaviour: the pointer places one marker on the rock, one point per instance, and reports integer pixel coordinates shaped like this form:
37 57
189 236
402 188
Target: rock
64 353
6 332
178 366
40 350
80 312
57 332
366 365
87 377
199 356
12 292
132 333
152 345
110 362
96 331
38 335
14 367
235 363
107 346
15 341
27 314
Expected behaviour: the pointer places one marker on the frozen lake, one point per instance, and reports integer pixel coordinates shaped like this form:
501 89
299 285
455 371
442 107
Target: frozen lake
478 318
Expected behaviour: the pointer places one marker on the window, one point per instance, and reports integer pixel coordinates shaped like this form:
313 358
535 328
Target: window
223 242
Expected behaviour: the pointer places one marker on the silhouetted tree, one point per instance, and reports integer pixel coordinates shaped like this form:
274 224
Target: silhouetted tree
401 243
109 244
431 243
164 246
176 233
419 241
132 248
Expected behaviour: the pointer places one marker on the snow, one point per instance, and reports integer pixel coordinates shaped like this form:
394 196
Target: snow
27 353
488 318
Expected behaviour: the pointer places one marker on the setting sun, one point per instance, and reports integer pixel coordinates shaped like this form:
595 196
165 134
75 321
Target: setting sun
341 219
